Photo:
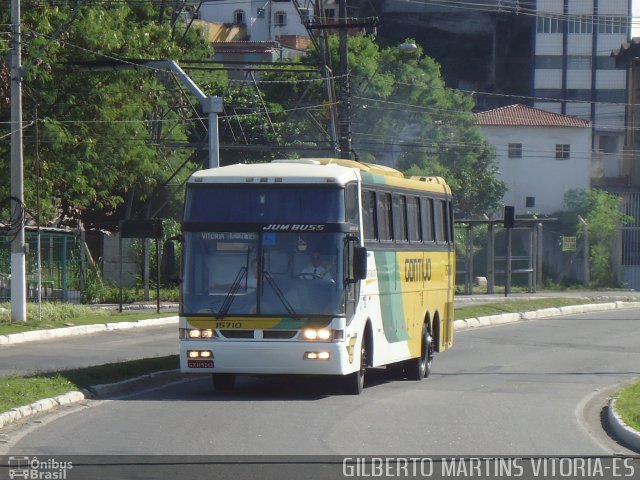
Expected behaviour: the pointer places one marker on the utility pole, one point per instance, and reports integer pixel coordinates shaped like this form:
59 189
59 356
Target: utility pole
344 106
18 247
344 94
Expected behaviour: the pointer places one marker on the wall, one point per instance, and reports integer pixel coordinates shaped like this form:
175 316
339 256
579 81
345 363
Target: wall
538 174
258 27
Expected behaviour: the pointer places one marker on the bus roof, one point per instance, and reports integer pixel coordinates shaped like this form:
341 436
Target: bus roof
316 170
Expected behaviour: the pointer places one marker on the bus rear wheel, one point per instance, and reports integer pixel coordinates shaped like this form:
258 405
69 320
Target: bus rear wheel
354 382
419 368
223 382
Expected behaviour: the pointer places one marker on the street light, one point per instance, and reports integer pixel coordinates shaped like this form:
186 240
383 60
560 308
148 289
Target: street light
408 48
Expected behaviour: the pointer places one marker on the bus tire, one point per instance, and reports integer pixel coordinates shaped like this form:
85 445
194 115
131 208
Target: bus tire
418 368
354 382
223 382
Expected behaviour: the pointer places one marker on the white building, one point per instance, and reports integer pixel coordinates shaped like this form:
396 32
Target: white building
574 68
265 20
541 155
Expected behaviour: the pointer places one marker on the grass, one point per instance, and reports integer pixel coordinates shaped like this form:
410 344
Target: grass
17 391
513 306
58 315
628 405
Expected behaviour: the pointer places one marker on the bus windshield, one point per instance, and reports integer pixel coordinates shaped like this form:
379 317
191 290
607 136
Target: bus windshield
269 273
264 203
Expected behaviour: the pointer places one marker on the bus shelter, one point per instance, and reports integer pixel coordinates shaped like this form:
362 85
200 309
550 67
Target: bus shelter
500 262
57 270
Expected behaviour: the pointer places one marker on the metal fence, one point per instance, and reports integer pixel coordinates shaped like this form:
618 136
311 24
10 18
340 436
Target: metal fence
60 270
630 241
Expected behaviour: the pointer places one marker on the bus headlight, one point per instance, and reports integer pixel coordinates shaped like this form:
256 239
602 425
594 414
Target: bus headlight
199 354
322 356
196 333
313 334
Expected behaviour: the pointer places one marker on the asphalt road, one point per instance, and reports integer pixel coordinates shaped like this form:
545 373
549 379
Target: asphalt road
87 350
529 388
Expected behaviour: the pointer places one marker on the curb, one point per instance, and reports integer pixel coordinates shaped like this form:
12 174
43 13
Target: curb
35 335
624 432
543 313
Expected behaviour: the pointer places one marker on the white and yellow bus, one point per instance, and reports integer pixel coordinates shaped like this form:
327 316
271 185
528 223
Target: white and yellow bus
315 266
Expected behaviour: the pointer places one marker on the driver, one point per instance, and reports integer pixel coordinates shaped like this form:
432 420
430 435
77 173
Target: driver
315 270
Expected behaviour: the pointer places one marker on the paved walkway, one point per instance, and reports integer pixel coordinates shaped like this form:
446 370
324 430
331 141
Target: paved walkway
612 295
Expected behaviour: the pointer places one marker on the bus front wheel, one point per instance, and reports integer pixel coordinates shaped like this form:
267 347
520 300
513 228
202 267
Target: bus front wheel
354 382
418 368
223 382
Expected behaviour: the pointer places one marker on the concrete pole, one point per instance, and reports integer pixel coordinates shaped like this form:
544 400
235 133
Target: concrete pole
491 260
18 266
507 284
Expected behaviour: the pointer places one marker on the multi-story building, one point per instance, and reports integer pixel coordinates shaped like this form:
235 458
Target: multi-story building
575 74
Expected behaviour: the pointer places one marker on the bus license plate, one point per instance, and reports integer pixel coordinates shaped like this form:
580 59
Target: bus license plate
200 363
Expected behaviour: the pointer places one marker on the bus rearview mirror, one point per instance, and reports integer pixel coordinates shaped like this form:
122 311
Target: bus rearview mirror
359 263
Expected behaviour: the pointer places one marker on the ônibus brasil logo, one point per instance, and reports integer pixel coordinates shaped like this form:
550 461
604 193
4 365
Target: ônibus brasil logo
38 469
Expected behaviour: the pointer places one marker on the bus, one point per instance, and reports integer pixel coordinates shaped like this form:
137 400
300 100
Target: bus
316 267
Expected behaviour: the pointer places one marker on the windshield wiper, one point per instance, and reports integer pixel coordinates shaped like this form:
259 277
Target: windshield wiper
280 295
231 294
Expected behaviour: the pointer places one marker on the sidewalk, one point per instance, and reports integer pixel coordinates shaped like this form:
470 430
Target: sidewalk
613 295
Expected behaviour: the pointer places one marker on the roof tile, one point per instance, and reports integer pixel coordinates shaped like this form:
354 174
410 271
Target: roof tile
524 116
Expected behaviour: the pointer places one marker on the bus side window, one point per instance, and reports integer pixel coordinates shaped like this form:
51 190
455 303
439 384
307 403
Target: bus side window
351 203
450 221
414 219
400 218
427 220
385 217
440 221
369 215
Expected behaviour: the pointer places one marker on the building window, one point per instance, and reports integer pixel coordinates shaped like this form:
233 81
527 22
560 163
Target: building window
280 19
580 24
330 13
608 144
239 17
549 24
562 151
515 150
613 24
530 202
305 14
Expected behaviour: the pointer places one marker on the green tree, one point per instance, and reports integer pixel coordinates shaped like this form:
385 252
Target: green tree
402 114
95 131
603 215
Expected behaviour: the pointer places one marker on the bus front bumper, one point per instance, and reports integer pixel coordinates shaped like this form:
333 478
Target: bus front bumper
267 358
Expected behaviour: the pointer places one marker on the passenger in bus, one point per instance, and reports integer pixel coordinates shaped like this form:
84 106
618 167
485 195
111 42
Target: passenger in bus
315 270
